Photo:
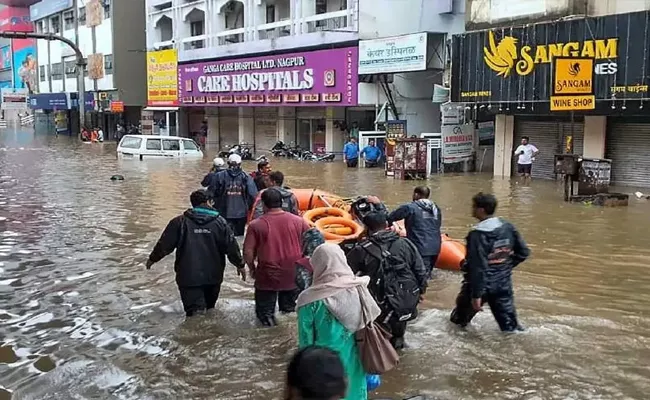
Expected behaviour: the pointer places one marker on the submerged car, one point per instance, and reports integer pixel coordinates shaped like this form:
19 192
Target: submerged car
153 146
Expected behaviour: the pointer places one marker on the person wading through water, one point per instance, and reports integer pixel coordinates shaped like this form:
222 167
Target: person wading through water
234 194
218 165
202 240
274 241
494 248
261 176
422 220
289 200
398 278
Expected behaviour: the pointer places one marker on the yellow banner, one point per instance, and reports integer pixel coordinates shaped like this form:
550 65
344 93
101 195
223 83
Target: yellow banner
162 78
573 103
573 76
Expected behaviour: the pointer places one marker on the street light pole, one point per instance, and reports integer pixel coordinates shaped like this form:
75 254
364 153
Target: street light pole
81 81
81 64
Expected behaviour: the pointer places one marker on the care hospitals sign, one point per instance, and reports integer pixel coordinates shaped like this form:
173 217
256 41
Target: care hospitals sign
406 53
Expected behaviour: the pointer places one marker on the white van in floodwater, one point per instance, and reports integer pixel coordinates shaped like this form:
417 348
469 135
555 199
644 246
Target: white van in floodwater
152 146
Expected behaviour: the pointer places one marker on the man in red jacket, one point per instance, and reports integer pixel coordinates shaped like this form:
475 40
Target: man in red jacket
274 241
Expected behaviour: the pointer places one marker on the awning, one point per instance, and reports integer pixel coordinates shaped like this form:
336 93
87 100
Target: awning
161 109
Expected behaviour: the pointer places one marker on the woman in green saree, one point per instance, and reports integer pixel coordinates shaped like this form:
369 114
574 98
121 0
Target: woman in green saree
329 313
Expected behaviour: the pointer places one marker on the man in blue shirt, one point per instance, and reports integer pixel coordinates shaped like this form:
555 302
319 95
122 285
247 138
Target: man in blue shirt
351 153
372 154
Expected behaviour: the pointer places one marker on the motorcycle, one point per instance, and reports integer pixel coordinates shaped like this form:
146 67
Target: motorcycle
279 149
241 150
309 156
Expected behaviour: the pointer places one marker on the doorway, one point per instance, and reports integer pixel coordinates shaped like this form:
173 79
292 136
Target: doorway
311 134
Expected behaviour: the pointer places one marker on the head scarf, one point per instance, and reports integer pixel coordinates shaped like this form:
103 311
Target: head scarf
311 239
345 295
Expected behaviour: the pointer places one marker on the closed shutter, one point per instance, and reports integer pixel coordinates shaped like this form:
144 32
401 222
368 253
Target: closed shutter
266 129
546 136
578 136
628 146
228 127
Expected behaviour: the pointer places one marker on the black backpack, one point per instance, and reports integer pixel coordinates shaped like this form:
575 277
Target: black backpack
394 284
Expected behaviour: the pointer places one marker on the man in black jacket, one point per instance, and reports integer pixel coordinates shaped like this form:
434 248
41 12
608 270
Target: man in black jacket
494 248
398 277
202 239
422 220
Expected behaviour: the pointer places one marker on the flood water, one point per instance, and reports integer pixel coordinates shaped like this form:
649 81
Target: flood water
81 318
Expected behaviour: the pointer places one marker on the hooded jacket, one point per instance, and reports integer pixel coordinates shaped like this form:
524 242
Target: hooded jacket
202 240
208 179
289 203
234 193
364 257
494 248
422 220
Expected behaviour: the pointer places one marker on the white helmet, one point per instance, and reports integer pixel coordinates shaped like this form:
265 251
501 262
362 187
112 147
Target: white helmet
234 159
218 162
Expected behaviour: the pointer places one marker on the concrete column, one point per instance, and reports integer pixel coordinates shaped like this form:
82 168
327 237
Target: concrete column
212 142
504 132
246 125
595 134
287 124
334 138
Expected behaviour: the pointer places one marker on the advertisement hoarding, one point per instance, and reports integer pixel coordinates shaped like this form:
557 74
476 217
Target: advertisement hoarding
5 57
162 78
14 99
315 78
24 64
457 143
394 54
15 19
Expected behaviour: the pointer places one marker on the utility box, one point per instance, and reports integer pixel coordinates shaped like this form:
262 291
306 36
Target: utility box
410 159
567 164
594 176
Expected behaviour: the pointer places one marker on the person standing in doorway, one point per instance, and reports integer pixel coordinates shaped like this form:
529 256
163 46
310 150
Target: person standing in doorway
372 154
271 249
494 249
354 131
202 240
526 153
351 153
234 194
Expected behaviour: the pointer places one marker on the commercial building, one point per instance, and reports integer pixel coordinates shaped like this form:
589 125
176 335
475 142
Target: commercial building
262 71
112 39
575 85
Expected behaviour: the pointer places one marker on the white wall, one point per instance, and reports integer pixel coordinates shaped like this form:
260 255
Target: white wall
384 18
58 51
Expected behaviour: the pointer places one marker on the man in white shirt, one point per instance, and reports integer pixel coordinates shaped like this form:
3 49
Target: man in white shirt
526 153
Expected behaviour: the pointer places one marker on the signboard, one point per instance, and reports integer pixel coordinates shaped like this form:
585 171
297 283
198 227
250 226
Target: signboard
395 129
96 66
5 57
394 54
457 143
516 64
573 86
14 99
117 106
315 78
452 114
486 133
94 13
162 78
45 8
15 19
25 67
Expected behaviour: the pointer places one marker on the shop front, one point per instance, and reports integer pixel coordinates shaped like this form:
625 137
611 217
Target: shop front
570 86
58 112
295 97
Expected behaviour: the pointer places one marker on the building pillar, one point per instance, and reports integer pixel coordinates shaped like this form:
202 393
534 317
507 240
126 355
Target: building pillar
334 140
504 132
246 125
595 135
212 142
287 124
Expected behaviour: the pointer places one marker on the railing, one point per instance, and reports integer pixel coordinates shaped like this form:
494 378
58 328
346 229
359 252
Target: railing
195 42
230 36
332 21
26 120
274 30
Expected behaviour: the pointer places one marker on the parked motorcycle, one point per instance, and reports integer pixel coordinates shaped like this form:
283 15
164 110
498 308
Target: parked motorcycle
242 150
279 149
309 156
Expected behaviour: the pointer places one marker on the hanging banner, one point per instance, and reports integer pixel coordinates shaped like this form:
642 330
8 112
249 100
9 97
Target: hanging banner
162 78
457 143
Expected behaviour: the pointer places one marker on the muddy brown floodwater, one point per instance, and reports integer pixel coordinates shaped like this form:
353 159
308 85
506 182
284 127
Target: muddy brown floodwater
80 318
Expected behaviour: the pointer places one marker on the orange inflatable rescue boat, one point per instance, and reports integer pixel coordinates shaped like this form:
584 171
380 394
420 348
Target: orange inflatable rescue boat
331 215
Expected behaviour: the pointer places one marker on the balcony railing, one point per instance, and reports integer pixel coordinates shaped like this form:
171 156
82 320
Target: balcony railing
230 36
274 30
195 42
333 21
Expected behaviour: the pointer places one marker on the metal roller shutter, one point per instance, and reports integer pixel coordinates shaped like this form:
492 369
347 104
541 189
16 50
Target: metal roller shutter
578 135
628 146
545 135
228 126
266 129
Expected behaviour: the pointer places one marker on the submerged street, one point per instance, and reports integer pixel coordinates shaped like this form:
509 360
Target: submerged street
81 317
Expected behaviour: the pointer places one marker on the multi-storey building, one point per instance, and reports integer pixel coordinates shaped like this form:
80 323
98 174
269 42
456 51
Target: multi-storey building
573 75
112 38
258 71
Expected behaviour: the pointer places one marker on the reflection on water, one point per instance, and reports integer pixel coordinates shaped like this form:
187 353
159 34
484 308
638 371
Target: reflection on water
81 318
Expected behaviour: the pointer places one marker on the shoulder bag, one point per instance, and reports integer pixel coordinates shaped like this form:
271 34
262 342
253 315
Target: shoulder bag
375 350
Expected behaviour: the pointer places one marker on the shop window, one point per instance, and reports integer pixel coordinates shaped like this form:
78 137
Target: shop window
189 145
270 14
41 26
108 64
57 71
68 20
82 16
41 73
171 145
153 144
55 24
131 142
70 69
